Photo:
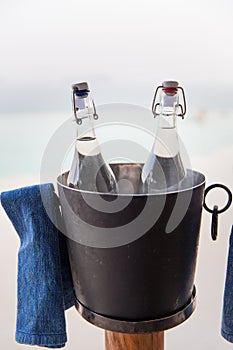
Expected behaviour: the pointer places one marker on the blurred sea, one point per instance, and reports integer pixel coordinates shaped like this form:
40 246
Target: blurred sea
24 137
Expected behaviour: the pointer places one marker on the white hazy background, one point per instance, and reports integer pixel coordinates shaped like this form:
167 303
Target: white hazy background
124 49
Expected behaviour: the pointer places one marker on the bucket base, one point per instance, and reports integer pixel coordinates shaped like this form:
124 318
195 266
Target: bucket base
134 327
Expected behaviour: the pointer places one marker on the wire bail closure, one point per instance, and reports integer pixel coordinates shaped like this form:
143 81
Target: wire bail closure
156 105
79 120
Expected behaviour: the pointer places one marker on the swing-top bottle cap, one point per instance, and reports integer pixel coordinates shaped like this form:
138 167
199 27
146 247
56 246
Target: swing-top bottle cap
81 90
170 87
170 84
80 87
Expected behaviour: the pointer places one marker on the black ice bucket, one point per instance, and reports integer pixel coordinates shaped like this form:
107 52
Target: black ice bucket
133 257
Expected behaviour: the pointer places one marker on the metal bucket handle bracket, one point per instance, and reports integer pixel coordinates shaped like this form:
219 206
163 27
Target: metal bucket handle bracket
215 211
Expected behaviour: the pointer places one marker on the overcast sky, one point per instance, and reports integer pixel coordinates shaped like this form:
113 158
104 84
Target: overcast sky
123 48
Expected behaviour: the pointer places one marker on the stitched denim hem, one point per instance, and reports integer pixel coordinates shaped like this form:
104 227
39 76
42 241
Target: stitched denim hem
227 336
46 340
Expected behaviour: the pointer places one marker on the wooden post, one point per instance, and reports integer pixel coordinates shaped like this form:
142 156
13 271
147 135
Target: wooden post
123 341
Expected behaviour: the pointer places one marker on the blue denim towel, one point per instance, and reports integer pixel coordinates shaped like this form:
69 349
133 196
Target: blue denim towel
227 316
45 287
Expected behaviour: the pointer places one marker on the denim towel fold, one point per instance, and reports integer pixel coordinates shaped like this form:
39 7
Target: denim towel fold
227 314
45 287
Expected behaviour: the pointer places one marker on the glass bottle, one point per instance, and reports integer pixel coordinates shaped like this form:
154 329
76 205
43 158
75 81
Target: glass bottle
164 169
88 171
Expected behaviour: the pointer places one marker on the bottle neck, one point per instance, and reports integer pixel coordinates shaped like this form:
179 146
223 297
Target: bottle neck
169 104
86 143
84 110
166 141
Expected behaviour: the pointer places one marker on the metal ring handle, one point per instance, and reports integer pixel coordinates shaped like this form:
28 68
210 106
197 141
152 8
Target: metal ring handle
219 211
214 224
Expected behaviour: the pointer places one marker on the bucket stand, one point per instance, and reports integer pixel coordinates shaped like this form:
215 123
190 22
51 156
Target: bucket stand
136 335
123 341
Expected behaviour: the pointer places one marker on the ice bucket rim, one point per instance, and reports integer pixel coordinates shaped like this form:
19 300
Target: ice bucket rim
194 172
